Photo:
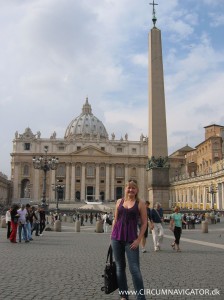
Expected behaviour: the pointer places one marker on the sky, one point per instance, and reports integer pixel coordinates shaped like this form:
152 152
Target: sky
55 53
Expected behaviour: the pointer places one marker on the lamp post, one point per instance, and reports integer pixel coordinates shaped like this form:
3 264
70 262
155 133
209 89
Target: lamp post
212 189
59 189
46 164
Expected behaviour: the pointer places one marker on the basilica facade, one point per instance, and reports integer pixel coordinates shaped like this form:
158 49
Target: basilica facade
91 165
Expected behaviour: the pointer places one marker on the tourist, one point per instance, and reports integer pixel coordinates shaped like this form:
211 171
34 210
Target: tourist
42 219
8 222
14 223
124 238
176 221
22 223
143 240
157 228
105 225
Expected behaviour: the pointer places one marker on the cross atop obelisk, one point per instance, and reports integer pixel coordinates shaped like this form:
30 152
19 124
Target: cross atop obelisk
154 19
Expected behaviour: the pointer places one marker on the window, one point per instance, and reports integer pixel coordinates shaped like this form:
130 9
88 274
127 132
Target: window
119 171
134 150
102 172
27 146
61 148
119 150
103 148
26 170
78 148
78 171
90 171
61 171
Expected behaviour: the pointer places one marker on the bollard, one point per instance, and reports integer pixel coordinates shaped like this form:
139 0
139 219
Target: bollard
77 226
204 226
64 218
3 222
57 225
99 227
69 219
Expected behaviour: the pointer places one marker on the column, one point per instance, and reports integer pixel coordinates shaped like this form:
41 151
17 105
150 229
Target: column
97 188
83 182
188 197
36 185
204 197
72 196
126 177
222 196
107 196
141 182
198 197
67 183
16 182
112 182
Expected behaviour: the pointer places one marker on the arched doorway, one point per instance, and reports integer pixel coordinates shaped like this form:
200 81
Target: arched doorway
90 193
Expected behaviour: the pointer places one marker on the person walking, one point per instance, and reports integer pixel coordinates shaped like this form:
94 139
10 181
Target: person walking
176 221
42 219
36 221
125 239
14 223
143 240
105 224
22 223
8 222
157 228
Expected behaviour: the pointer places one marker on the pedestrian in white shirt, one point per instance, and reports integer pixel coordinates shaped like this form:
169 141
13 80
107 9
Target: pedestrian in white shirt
105 224
8 222
22 222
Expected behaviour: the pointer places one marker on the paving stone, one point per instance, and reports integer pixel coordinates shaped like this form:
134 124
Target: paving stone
68 265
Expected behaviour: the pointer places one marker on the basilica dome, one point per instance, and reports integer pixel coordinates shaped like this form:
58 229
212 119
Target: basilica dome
86 126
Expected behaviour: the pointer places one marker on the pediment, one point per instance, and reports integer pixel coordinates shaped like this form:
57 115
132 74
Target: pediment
90 151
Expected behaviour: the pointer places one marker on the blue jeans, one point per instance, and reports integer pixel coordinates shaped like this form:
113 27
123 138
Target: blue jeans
119 250
22 227
28 230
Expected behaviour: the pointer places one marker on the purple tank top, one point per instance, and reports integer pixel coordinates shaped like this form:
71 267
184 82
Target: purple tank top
125 229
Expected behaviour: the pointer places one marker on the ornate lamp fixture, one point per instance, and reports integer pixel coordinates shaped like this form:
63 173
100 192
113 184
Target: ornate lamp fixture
212 189
46 164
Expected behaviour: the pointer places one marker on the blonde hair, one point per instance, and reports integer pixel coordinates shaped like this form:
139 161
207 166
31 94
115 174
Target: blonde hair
132 182
176 208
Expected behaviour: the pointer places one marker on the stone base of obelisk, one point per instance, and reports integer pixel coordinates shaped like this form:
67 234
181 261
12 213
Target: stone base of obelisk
158 187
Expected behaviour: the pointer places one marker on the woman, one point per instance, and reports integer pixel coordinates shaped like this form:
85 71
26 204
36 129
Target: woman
176 221
124 238
14 223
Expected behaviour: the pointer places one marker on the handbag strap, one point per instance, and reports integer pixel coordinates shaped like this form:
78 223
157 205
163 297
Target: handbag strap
110 255
158 214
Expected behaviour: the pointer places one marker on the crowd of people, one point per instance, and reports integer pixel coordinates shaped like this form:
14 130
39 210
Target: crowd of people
23 221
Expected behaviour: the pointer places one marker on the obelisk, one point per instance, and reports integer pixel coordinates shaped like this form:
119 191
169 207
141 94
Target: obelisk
158 170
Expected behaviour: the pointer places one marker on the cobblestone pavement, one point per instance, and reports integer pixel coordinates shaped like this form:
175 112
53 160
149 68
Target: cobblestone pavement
68 266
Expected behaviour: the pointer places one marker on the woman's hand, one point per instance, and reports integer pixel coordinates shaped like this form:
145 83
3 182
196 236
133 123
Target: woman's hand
171 228
135 244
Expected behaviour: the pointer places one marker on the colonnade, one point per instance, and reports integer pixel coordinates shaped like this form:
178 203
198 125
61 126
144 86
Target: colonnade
196 195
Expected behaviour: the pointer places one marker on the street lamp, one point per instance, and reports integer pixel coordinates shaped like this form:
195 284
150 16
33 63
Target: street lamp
212 189
46 164
59 189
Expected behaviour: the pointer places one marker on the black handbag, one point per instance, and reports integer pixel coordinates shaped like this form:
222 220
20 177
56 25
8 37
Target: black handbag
110 277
